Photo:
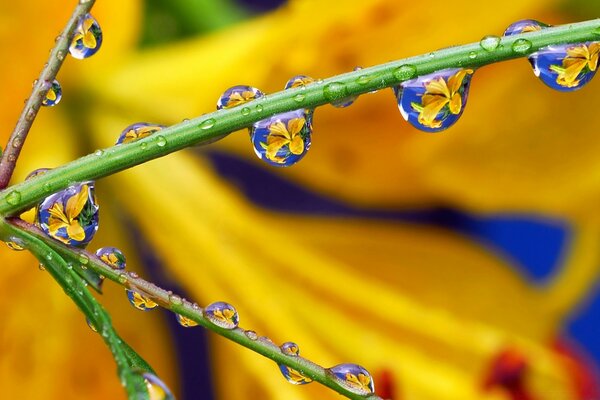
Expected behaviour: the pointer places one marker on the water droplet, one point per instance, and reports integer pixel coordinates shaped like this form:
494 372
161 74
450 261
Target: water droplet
259 108
429 108
99 153
157 390
524 26
83 259
251 335
185 321
161 141
13 198
60 55
521 46
335 91
87 38
137 131
175 300
222 314
140 301
207 123
405 72
15 244
71 215
112 257
490 43
283 139
41 267
472 55
91 324
49 256
123 278
290 348
237 95
298 81
354 378
293 376
566 67
245 111
30 114
299 98
36 172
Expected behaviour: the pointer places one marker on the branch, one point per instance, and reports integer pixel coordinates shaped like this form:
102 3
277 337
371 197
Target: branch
40 88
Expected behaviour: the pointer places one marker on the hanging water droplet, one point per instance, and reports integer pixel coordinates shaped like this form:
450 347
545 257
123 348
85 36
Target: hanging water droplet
524 26
521 46
91 324
13 198
283 139
566 67
161 141
157 390
251 335
222 314
185 321
405 72
290 348
207 123
293 376
41 267
53 95
140 301
298 81
434 102
137 131
112 257
15 244
490 43
236 95
354 378
71 215
87 38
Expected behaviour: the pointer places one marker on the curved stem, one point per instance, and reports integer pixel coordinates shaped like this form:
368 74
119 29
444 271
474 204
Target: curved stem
40 88
213 126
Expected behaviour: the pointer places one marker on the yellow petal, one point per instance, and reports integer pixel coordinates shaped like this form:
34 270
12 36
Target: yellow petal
431 110
51 95
297 145
455 104
572 70
279 129
456 80
76 203
89 40
437 86
56 211
295 125
273 148
75 231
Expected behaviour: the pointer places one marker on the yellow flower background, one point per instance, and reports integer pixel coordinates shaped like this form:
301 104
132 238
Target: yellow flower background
428 307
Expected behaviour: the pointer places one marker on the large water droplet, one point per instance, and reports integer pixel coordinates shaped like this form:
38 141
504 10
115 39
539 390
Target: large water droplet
137 131
112 257
222 314
293 376
434 102
283 139
87 38
290 348
157 390
298 81
237 95
140 301
15 244
354 378
524 26
490 43
185 321
71 215
13 198
53 95
566 67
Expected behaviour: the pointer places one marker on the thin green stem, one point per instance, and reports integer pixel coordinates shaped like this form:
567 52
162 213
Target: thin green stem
73 285
175 303
40 88
213 126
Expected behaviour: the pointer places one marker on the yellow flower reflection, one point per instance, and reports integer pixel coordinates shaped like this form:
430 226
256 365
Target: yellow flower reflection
67 217
361 381
240 97
227 315
578 57
438 94
85 34
294 376
280 135
139 132
140 301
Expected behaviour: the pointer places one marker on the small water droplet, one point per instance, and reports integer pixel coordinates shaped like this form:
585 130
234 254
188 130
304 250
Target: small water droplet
207 123
185 321
123 278
157 390
421 103
251 335
299 98
222 314
91 324
84 259
143 145
490 43
87 38
294 128
175 299
405 72
60 55
82 220
290 348
245 111
133 275
140 301
472 55
524 26
161 141
41 267
13 198
237 95
30 115
259 108
521 46
293 376
138 131
566 67
49 256
99 153
335 91
112 257
354 378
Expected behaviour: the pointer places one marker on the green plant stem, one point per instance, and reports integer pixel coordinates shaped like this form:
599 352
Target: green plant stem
40 88
75 288
213 126
130 280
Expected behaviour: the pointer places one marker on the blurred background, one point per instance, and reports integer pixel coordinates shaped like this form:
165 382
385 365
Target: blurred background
453 266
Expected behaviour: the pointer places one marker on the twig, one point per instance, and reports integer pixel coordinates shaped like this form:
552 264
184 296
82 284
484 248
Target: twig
40 88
